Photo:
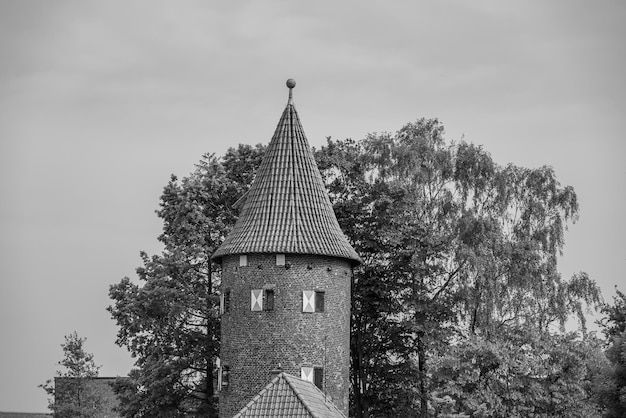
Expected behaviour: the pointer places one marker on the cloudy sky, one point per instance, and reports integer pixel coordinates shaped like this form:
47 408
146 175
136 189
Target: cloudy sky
101 101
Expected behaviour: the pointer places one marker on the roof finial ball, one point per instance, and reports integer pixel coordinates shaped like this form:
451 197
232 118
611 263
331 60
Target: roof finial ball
291 83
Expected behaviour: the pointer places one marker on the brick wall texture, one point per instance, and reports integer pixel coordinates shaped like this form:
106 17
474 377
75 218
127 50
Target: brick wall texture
253 343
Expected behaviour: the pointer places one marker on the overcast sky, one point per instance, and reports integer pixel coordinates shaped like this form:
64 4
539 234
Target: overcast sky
101 101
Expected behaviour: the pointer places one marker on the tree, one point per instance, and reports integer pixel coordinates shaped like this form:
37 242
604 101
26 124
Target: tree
378 381
522 374
460 259
612 387
454 246
614 324
70 395
170 322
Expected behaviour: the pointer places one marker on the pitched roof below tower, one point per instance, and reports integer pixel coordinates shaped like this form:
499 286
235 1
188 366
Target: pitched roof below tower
287 396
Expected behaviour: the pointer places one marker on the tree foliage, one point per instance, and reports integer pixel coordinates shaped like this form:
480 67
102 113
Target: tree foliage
614 323
169 321
612 387
458 307
70 395
522 374
455 246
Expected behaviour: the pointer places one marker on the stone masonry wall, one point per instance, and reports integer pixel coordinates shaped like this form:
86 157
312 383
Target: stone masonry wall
254 343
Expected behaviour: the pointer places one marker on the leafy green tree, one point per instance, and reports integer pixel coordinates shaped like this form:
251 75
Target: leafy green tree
170 321
70 395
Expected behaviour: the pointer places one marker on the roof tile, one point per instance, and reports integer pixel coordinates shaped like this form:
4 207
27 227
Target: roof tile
288 396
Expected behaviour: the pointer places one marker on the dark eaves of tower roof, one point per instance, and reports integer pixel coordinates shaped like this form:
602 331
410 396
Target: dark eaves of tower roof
287 209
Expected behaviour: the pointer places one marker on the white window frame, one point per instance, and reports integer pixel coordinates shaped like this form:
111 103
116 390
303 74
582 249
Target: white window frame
308 301
306 373
256 300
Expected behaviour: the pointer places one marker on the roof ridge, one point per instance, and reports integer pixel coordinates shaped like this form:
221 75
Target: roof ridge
258 396
309 398
298 394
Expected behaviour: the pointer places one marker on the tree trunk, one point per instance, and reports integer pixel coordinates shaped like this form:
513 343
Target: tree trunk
210 390
358 377
421 367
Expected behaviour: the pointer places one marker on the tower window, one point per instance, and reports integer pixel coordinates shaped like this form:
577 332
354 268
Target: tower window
314 375
312 301
319 301
318 377
256 300
225 301
243 260
223 377
262 300
280 259
268 300
306 373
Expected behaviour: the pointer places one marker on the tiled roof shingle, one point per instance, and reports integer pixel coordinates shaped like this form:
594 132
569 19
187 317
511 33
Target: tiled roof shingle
287 209
287 396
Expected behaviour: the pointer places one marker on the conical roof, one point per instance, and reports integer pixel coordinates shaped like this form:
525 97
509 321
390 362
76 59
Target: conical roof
287 209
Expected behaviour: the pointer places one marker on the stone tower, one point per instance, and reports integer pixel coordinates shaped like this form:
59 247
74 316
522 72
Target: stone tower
286 274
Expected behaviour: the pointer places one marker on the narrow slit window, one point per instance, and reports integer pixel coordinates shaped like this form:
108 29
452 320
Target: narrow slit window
243 260
319 301
225 301
280 259
318 377
268 300
224 377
